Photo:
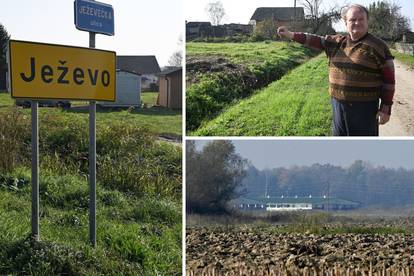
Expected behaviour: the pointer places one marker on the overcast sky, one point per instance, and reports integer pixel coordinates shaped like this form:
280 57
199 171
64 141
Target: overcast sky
141 27
238 11
285 153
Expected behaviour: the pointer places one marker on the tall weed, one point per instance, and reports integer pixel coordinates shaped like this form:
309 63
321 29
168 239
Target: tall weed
14 140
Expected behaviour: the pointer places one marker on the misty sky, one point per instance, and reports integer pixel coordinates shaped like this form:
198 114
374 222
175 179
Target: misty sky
141 27
285 153
241 13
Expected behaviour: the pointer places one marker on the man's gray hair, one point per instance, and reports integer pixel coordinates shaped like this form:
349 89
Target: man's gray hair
345 10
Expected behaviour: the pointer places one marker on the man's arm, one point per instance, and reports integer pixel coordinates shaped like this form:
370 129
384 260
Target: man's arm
387 93
312 41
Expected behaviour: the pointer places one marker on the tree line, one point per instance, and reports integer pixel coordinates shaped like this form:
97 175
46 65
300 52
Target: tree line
362 182
216 174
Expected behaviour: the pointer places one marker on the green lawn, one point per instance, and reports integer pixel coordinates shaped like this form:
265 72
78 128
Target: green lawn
221 74
149 98
5 100
158 120
296 105
407 59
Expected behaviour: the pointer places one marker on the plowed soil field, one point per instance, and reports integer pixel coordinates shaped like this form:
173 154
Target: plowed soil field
249 251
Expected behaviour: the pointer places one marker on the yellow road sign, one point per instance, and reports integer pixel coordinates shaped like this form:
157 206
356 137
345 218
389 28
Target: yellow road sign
48 71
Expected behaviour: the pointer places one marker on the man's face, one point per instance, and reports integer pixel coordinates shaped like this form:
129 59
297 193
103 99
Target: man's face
356 23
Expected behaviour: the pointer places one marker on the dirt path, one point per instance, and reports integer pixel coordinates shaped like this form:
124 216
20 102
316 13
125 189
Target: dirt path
402 117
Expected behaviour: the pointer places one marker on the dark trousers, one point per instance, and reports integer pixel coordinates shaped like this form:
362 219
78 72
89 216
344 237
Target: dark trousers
354 118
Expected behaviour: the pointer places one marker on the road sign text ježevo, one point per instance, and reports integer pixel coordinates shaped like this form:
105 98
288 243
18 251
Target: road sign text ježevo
47 71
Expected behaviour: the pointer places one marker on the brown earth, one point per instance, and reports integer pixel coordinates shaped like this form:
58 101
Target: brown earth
402 118
229 251
198 66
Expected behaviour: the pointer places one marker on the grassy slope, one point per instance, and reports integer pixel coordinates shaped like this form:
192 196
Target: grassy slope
296 105
407 59
157 119
255 65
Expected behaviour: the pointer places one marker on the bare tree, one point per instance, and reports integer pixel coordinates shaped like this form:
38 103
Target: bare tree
216 12
176 58
312 7
320 21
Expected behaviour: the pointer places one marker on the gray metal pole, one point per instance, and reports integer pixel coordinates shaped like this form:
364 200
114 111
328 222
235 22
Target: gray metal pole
35 171
92 161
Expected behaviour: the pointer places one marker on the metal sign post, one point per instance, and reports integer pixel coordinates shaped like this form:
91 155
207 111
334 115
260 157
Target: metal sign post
93 17
66 72
92 161
35 171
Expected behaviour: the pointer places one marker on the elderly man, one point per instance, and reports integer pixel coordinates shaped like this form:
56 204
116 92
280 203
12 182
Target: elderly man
361 73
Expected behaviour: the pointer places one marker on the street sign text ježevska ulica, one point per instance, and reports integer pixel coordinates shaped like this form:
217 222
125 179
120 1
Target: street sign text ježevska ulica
93 16
47 71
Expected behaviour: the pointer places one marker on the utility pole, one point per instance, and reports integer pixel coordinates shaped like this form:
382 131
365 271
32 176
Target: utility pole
294 16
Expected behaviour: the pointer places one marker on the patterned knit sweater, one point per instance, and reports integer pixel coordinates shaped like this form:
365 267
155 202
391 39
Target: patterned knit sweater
361 70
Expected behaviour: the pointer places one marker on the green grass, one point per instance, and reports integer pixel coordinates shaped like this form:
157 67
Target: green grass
253 53
407 59
139 191
296 105
135 236
5 100
158 120
243 67
149 98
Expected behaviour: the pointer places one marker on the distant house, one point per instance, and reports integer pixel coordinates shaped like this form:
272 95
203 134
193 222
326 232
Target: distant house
170 94
128 89
282 203
146 66
279 15
408 37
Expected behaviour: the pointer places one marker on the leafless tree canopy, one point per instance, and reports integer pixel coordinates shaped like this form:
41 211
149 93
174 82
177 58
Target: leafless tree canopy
317 18
312 7
176 58
215 11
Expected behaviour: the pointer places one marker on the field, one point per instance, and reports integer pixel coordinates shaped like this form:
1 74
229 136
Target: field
296 105
313 245
138 193
220 74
